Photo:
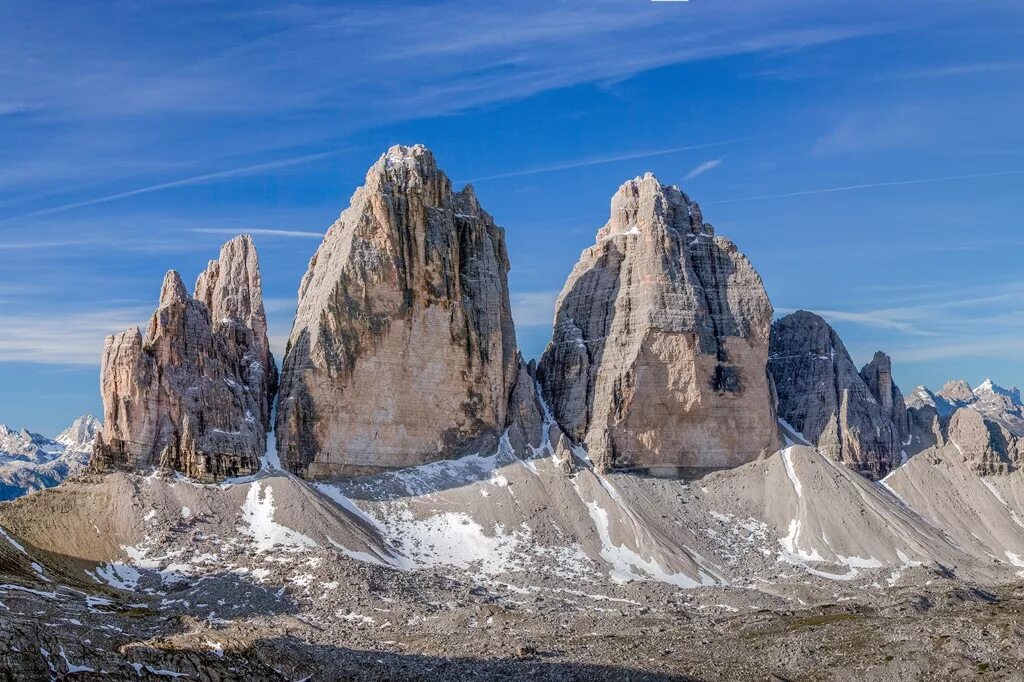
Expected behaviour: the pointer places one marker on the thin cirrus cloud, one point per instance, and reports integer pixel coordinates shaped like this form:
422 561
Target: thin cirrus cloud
871 185
612 158
979 321
296 234
517 50
703 168
63 338
253 169
533 309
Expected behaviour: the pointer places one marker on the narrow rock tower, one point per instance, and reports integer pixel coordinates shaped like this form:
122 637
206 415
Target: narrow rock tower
657 360
194 394
403 349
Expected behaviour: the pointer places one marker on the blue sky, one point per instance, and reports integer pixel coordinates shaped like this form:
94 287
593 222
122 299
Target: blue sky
867 156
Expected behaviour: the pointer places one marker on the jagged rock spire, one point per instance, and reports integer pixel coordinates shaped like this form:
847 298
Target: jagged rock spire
657 359
194 394
403 349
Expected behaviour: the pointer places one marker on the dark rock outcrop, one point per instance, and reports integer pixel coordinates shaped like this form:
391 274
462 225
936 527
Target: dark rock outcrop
858 420
194 394
657 358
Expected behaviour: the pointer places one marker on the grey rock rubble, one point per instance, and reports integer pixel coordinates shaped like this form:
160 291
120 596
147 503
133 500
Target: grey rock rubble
403 349
194 394
657 358
858 422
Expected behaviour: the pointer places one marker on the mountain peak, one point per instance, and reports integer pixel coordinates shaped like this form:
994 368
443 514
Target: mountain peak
81 434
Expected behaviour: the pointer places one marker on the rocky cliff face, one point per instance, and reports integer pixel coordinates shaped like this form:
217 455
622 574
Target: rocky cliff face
193 394
877 374
657 359
821 394
403 349
984 443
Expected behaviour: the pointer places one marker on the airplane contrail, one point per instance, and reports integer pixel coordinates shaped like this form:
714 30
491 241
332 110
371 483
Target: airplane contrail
869 185
194 180
611 158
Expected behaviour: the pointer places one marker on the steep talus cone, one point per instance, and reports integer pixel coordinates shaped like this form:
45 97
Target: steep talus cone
194 394
822 395
657 360
403 349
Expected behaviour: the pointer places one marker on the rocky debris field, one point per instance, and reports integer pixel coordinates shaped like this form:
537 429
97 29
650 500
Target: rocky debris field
560 576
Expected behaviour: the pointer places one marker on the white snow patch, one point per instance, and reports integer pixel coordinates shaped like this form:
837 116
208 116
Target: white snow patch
624 560
72 668
258 515
14 543
787 460
119 575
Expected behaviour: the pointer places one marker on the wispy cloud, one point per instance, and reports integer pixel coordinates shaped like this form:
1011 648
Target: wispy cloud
298 234
253 169
873 131
611 158
955 70
979 320
870 185
534 308
703 168
64 338
884 319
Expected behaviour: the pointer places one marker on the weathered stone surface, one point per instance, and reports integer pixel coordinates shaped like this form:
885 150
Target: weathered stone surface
957 393
824 397
877 374
194 393
984 444
525 417
657 359
403 349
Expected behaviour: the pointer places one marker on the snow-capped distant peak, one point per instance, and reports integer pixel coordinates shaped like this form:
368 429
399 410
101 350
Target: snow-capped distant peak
988 388
81 434
922 394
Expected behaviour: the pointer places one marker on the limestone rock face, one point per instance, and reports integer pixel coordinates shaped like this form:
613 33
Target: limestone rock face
821 394
194 394
957 393
984 443
877 374
657 359
403 349
81 435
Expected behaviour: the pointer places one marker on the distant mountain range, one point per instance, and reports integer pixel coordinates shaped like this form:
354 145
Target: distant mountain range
29 461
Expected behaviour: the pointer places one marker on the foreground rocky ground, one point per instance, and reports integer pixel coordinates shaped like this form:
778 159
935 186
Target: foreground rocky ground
577 577
378 624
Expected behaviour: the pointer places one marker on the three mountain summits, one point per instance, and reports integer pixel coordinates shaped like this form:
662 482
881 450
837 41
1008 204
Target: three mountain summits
426 476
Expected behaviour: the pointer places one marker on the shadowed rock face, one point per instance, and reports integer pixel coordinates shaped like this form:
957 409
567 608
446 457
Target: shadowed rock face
856 418
657 360
403 349
193 394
